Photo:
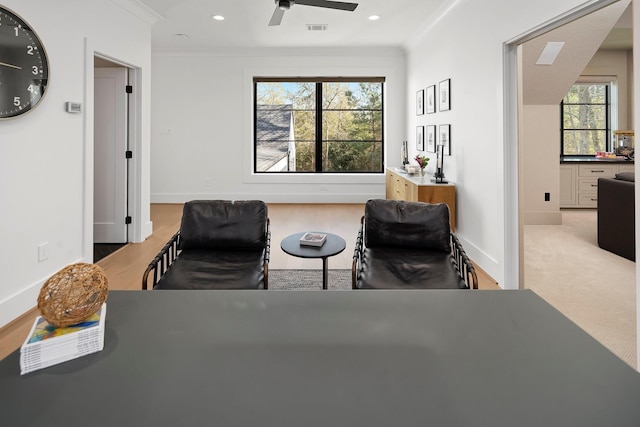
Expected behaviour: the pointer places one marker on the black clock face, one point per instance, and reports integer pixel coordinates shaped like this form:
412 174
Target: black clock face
24 69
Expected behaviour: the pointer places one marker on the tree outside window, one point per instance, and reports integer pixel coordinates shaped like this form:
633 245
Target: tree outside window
318 126
585 120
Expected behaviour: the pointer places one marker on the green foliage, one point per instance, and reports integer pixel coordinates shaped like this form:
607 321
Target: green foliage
584 119
351 123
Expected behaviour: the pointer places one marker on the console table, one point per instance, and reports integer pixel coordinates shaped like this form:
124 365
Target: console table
401 186
330 358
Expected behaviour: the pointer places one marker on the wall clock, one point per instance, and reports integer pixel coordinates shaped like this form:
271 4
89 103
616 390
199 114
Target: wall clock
24 68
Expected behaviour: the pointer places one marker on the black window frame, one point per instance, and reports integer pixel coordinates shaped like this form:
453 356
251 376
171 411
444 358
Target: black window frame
319 141
607 129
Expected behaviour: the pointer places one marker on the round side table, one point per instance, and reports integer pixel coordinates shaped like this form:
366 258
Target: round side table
332 246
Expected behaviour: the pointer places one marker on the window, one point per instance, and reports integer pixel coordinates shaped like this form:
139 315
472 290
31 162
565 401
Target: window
585 121
318 125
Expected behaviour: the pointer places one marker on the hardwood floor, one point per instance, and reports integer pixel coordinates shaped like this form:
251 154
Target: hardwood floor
124 267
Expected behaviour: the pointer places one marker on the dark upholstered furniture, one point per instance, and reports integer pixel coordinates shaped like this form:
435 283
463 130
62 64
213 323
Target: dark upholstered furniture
409 245
616 215
220 245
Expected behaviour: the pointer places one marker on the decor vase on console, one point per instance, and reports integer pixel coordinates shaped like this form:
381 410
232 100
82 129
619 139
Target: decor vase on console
422 162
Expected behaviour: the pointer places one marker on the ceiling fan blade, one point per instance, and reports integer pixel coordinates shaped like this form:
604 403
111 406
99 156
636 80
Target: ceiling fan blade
340 5
276 18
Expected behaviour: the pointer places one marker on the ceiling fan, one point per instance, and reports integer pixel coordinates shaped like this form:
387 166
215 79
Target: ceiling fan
283 5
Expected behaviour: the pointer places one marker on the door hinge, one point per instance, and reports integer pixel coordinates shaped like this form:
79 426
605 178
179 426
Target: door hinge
127 220
129 88
128 154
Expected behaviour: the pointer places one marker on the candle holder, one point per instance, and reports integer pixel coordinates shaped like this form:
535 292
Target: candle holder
439 174
404 153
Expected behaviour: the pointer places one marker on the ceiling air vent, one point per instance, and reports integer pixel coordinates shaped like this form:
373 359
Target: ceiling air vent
317 27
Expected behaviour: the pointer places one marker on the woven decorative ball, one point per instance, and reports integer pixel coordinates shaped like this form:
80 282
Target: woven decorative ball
73 294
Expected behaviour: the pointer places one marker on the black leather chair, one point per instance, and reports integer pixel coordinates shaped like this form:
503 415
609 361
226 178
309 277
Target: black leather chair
220 245
409 245
617 215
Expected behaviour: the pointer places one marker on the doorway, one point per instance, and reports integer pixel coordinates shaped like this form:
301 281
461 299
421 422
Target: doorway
515 148
111 218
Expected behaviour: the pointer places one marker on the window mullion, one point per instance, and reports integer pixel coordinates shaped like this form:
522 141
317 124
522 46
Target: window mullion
319 96
607 123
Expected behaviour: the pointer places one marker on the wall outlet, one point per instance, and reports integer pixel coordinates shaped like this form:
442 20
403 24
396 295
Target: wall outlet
547 197
43 251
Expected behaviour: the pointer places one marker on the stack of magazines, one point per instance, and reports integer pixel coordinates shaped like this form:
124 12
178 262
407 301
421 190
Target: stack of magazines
47 345
313 239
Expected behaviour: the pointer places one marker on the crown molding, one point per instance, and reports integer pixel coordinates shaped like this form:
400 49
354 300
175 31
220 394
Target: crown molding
139 10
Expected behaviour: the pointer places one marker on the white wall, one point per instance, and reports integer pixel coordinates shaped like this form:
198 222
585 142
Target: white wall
466 44
202 123
46 163
540 169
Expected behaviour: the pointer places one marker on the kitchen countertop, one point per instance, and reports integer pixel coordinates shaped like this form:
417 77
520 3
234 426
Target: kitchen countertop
587 159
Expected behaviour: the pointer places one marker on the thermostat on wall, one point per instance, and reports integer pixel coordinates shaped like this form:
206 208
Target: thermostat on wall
73 107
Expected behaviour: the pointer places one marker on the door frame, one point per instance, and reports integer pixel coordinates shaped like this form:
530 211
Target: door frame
134 189
512 157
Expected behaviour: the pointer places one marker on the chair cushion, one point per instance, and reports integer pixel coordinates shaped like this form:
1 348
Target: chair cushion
395 223
404 268
626 176
217 224
215 269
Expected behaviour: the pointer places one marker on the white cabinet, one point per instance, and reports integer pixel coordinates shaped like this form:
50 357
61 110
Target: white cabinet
579 182
568 182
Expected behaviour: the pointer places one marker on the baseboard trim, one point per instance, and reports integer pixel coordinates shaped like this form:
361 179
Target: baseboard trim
268 197
489 265
19 304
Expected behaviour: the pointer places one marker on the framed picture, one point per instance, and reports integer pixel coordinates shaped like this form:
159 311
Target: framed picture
420 138
445 138
431 99
431 138
420 102
444 89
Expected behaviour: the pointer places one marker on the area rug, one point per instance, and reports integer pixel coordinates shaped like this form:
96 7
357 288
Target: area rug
308 280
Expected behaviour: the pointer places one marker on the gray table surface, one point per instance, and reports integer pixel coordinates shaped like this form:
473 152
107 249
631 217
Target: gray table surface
330 358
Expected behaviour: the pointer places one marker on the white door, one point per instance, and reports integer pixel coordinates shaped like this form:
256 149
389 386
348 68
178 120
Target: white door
110 163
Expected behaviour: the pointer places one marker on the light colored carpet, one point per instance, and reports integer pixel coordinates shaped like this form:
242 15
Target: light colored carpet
594 288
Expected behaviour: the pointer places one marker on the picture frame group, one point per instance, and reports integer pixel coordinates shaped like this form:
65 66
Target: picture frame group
429 100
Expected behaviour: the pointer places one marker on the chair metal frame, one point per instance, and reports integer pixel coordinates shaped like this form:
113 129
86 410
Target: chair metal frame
462 262
170 252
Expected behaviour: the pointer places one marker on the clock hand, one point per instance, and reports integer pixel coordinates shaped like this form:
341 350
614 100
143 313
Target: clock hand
10 66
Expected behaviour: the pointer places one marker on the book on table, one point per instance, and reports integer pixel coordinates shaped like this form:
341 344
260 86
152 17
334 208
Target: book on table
47 345
313 239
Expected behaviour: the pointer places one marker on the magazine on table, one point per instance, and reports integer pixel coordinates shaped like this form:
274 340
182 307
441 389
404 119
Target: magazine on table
313 239
47 345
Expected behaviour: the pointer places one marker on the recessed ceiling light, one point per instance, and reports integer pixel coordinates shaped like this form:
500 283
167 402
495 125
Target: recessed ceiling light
218 17
374 17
